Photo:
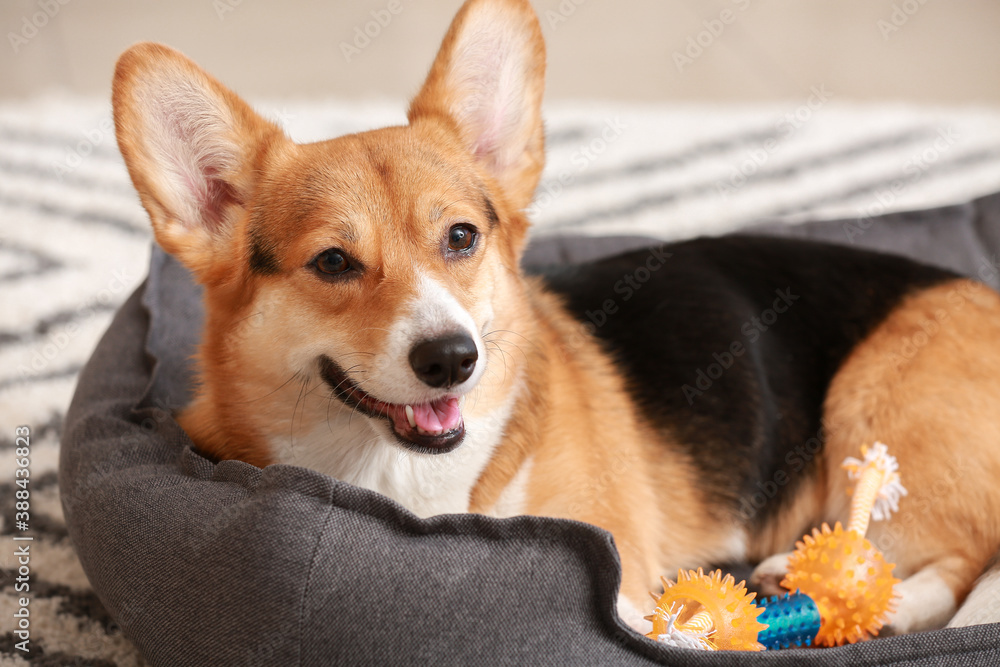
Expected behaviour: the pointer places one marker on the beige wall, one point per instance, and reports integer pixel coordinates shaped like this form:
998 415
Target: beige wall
944 51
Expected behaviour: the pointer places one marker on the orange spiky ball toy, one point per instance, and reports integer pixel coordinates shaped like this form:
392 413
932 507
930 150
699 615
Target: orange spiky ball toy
847 577
850 581
706 611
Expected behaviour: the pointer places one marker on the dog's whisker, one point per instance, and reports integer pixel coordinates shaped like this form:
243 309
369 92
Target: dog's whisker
490 376
501 341
276 389
492 373
503 358
244 319
354 354
329 403
347 372
302 388
333 395
350 419
511 331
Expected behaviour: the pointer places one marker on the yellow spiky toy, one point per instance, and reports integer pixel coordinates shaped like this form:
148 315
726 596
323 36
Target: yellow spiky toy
847 577
706 611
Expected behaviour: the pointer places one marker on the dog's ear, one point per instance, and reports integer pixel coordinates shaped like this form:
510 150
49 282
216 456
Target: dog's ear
487 83
192 148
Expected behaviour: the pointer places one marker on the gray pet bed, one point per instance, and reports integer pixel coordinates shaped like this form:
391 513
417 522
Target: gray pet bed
227 564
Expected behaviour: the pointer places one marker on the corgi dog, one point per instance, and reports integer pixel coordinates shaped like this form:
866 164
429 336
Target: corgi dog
366 316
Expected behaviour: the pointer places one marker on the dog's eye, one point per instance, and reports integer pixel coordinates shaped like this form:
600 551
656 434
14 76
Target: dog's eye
332 262
461 238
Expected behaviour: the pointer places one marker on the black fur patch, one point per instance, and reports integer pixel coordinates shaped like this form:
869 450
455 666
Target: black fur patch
491 212
729 346
263 258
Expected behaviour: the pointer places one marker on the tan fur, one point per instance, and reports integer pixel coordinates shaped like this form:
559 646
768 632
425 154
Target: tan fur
927 383
593 458
795 518
388 197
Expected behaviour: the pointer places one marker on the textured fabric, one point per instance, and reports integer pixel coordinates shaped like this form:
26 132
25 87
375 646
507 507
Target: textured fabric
206 564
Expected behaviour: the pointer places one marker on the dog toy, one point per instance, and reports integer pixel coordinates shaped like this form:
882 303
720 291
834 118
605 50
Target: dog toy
706 611
849 578
842 588
792 619
712 612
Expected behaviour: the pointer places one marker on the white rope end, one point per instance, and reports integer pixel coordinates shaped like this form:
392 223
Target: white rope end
877 457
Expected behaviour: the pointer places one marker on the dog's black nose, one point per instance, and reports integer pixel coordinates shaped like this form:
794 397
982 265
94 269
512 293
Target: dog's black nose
444 362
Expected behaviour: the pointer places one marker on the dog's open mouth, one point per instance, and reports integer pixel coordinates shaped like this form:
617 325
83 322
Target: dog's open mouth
433 428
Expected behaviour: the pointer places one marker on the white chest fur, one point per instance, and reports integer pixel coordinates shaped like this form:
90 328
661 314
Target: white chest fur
360 451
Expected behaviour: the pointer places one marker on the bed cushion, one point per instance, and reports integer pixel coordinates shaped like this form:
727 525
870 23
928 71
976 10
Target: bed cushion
217 564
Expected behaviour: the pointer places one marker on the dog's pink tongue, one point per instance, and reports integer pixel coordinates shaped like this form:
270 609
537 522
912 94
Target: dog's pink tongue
440 416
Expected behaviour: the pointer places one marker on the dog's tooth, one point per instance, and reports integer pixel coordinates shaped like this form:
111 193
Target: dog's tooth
409 416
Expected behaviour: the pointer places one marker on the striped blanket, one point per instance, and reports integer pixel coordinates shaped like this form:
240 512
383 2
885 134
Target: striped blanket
74 242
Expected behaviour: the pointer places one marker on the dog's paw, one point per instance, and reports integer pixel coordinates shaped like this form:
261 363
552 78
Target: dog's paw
890 630
924 601
766 578
633 616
